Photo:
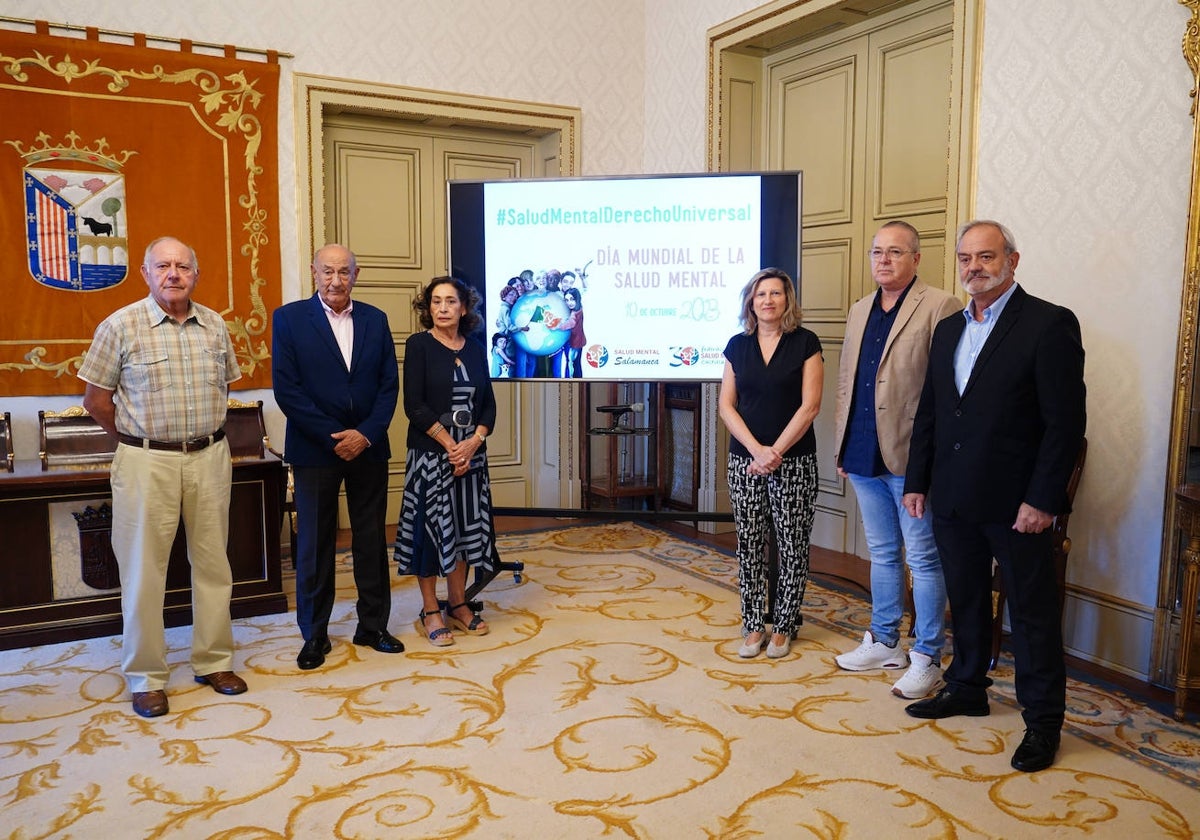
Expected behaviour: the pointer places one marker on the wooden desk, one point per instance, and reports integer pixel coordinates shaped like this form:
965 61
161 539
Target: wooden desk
1186 677
33 500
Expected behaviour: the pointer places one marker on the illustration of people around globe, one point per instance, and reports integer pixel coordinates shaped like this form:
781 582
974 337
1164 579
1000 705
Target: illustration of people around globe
539 327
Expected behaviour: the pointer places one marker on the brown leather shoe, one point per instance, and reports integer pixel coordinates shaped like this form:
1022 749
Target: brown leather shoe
224 682
150 703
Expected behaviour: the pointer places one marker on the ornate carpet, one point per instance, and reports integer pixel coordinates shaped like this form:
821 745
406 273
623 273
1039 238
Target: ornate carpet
608 701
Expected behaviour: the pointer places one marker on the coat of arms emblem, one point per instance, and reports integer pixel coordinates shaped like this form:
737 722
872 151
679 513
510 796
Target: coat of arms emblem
76 214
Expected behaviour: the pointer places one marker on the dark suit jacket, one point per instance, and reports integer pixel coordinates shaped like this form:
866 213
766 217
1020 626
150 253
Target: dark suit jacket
1014 434
319 395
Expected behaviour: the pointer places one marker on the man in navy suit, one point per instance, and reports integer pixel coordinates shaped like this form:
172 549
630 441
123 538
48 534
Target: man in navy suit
997 433
336 379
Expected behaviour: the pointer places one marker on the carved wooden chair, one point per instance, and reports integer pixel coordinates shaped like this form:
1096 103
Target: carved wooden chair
247 434
245 429
1062 548
6 442
72 439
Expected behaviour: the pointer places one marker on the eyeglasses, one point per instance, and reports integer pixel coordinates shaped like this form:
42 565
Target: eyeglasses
877 254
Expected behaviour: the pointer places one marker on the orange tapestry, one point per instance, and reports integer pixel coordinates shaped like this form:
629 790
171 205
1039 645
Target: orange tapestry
105 147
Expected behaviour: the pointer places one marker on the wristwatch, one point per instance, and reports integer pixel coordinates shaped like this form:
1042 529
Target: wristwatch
482 437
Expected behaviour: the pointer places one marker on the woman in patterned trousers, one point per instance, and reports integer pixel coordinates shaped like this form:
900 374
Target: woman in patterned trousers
770 395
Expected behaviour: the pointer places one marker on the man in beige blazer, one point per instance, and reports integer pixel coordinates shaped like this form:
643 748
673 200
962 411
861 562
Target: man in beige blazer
879 386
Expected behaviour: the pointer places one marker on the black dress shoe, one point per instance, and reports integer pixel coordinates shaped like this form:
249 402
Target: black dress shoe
381 640
1036 752
312 655
947 703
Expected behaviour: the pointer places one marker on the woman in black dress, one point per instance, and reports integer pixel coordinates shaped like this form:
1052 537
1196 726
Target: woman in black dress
446 519
770 395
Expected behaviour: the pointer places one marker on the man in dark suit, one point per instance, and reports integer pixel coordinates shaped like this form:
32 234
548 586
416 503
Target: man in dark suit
999 426
336 379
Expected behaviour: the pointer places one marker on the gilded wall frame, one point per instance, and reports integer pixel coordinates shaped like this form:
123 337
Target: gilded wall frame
1162 665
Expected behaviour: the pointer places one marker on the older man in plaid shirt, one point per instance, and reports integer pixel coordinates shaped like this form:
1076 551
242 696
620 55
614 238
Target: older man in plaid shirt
158 374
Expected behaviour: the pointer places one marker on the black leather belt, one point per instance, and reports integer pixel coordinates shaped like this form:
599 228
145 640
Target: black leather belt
166 446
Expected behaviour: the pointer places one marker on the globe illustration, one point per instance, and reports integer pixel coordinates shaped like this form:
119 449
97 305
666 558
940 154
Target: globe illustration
543 313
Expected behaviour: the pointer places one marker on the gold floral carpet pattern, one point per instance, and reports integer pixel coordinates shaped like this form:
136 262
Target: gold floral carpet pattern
608 701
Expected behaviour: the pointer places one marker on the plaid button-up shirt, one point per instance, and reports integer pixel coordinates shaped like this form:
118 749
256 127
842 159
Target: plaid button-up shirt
171 380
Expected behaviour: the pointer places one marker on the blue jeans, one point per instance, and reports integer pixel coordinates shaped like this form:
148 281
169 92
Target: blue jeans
894 537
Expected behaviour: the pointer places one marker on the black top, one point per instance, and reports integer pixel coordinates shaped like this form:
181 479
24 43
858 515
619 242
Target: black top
768 395
429 386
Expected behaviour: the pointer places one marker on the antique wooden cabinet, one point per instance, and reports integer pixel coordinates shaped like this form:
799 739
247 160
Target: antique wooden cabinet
52 521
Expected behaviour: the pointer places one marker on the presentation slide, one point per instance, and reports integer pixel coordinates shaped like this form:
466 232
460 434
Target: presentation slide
634 278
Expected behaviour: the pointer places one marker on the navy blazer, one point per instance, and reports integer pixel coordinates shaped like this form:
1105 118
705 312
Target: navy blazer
1015 432
316 391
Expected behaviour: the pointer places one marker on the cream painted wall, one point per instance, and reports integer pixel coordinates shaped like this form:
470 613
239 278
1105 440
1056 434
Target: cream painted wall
1084 151
677 80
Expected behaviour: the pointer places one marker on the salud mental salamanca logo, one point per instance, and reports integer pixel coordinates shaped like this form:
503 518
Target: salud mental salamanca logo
76 220
597 356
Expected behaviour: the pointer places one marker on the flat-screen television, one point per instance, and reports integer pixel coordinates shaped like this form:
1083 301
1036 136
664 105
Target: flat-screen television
623 278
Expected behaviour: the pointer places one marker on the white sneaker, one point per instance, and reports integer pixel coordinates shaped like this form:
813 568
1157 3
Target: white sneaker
871 655
921 679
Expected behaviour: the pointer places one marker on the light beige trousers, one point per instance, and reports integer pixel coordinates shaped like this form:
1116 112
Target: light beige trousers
151 491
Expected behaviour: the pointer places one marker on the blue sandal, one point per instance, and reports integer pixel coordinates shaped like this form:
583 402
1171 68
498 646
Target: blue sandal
477 627
441 637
